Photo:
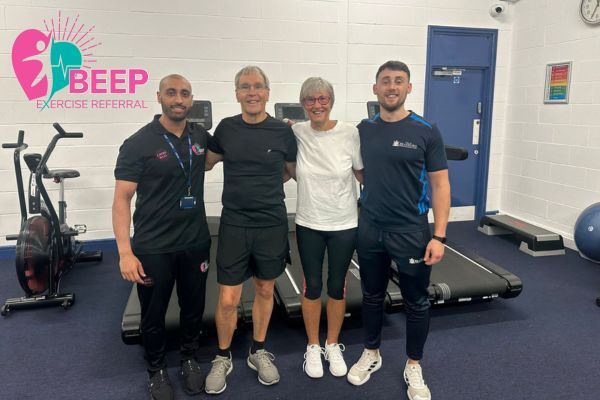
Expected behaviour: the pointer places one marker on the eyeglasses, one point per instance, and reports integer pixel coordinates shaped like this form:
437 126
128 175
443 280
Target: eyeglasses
245 87
323 100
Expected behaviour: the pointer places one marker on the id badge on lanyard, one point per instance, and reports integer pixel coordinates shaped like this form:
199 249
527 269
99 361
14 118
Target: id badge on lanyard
188 201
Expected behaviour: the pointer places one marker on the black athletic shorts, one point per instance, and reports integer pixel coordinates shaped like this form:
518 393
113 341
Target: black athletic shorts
251 252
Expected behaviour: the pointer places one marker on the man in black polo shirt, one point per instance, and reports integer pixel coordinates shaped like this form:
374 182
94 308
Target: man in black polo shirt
255 149
403 155
163 163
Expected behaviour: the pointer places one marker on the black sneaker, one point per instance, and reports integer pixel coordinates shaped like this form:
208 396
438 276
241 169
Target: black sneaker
160 387
193 379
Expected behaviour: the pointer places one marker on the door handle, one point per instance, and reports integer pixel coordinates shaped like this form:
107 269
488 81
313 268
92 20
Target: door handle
476 126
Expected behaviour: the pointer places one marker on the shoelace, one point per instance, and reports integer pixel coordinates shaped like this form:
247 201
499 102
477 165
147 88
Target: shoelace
415 377
334 353
220 364
159 378
192 366
312 352
264 358
366 360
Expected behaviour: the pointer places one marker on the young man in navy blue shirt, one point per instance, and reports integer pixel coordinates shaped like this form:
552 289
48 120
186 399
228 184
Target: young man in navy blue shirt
403 155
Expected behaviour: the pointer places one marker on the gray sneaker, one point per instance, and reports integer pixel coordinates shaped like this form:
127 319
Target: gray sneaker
262 362
215 380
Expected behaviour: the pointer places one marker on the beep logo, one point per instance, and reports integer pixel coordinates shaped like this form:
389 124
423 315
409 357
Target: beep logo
62 58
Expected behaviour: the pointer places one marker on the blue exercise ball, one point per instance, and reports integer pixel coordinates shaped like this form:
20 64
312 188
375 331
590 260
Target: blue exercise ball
587 233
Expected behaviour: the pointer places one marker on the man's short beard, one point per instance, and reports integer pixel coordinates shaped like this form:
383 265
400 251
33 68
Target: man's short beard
167 112
393 108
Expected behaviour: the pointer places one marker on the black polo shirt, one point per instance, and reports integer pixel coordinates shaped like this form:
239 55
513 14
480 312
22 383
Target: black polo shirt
146 158
397 157
254 156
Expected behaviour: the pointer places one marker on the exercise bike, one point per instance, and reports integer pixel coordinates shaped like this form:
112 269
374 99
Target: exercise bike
46 246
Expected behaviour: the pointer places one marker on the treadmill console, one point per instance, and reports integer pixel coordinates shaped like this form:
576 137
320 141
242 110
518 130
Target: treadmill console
372 109
293 111
201 113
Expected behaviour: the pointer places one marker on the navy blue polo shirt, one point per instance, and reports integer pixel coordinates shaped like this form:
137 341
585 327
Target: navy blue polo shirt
397 157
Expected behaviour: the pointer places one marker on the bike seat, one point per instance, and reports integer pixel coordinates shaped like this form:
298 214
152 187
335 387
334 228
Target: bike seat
59 174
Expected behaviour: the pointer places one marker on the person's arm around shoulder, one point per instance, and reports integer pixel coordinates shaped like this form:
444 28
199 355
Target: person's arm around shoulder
357 163
289 168
359 175
131 267
289 171
440 203
212 159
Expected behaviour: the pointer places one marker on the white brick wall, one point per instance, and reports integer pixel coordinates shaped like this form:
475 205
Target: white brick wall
551 166
208 41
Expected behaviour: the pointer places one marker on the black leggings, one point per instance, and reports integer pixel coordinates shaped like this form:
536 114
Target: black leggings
340 246
189 268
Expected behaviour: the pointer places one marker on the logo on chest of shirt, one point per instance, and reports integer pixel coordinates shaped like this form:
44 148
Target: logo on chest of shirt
406 145
162 155
197 149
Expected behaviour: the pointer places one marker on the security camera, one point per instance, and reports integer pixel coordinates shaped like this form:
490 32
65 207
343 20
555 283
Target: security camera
496 10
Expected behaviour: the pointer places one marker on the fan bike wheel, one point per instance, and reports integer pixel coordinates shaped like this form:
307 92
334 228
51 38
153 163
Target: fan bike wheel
33 255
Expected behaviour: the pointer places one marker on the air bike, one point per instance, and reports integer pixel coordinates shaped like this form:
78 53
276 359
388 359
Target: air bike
46 246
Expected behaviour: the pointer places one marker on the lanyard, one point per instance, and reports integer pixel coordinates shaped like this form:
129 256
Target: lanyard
188 176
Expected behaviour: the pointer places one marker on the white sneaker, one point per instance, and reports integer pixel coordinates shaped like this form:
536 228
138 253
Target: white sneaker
417 389
333 354
369 362
312 361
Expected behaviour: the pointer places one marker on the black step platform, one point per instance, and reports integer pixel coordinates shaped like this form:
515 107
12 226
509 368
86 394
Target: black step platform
535 241
130 324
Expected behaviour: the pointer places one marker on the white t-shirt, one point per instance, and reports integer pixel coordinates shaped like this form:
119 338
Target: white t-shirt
326 183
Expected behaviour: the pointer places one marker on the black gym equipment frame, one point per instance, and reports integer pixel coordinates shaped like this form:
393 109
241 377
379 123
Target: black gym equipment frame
46 246
130 323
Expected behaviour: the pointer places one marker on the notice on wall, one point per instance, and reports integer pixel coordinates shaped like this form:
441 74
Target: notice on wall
558 77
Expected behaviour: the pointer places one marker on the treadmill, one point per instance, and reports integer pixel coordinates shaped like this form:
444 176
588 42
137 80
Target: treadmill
462 276
130 324
289 285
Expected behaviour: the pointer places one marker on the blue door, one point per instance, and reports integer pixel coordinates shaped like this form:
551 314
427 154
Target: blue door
455 109
458 98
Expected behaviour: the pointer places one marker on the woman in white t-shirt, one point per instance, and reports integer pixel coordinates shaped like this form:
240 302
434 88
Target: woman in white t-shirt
326 218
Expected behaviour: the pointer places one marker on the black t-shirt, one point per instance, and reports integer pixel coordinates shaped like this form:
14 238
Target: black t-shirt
397 157
254 156
160 225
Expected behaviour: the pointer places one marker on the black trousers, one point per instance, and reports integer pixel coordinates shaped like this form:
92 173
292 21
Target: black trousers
376 250
189 268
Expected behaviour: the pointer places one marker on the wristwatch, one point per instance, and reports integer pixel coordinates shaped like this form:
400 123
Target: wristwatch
439 238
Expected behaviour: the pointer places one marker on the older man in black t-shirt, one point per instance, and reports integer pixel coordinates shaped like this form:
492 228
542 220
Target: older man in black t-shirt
255 149
163 163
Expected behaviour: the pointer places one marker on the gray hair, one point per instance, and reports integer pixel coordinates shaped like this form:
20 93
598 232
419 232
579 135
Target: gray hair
251 69
316 84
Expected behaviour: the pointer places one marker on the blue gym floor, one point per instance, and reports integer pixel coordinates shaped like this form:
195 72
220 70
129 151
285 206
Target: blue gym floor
542 345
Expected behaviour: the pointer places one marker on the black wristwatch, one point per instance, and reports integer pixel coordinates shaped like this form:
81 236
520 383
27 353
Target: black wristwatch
439 238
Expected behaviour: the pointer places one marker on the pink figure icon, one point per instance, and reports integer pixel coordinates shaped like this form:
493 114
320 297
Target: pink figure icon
28 68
